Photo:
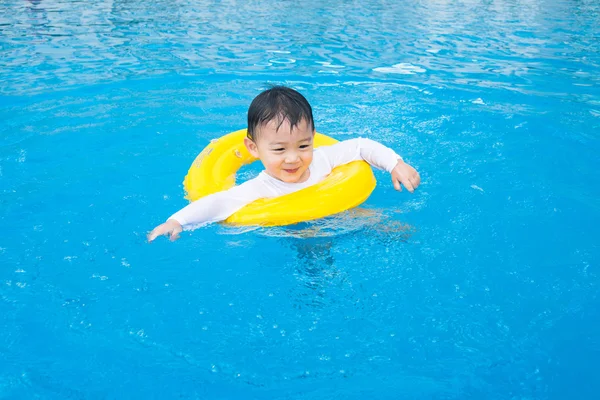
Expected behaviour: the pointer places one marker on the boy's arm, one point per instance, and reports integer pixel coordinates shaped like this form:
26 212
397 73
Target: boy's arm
377 155
212 208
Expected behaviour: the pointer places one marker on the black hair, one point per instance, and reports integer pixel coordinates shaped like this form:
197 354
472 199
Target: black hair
281 103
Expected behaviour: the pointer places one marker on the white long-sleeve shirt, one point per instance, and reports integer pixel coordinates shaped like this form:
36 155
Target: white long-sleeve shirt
219 206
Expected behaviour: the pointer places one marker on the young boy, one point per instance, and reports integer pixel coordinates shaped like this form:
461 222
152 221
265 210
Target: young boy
280 134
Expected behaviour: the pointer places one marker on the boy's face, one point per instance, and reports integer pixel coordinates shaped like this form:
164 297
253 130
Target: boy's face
286 153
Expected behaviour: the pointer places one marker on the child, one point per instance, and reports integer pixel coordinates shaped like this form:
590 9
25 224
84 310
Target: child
280 134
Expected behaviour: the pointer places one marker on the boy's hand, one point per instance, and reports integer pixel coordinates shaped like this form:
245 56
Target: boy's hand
171 227
406 175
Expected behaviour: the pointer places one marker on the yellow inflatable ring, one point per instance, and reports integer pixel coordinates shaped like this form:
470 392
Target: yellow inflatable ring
214 170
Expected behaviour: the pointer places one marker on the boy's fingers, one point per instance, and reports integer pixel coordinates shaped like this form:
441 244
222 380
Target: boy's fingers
415 182
396 184
156 232
152 235
408 185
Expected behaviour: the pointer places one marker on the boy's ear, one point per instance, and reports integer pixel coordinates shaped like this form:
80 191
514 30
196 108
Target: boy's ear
251 146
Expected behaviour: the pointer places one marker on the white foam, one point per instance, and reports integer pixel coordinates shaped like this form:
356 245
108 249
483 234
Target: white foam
402 69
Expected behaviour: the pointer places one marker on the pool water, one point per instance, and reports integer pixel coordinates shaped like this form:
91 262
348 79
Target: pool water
484 283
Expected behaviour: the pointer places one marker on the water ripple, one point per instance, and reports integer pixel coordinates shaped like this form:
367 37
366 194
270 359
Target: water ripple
49 45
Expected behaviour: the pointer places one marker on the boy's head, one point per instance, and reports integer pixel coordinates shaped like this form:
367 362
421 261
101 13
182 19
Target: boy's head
280 133
278 103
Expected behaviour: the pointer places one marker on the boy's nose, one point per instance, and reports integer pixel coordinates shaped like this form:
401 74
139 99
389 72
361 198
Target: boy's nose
291 157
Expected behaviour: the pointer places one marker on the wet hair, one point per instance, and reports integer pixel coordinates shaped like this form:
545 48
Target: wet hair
278 103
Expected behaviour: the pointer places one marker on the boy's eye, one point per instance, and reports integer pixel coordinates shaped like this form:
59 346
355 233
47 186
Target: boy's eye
305 146
279 150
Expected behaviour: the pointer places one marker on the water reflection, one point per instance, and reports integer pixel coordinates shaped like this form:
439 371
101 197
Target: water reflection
323 279
315 271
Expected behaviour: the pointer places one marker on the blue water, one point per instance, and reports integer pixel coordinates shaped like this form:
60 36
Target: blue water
484 283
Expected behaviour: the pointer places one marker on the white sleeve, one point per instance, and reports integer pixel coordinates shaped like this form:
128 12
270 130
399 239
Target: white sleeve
219 206
376 154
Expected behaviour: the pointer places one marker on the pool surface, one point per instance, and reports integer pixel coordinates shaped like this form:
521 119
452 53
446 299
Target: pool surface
483 284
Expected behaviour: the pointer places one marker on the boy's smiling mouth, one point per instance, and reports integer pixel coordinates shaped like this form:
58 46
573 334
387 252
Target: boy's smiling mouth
291 171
